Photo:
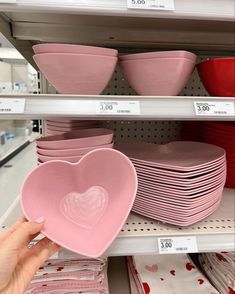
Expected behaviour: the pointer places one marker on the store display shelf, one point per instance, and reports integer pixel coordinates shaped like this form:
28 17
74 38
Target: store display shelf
184 9
140 235
89 107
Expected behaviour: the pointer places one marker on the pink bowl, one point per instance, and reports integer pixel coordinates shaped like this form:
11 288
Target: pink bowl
70 152
158 76
85 204
72 159
77 139
160 54
70 48
77 73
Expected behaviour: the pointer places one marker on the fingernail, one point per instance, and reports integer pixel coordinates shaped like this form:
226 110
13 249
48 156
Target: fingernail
40 220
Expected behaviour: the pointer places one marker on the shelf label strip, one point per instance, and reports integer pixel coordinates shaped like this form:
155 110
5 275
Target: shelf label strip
215 108
172 245
118 107
11 105
151 4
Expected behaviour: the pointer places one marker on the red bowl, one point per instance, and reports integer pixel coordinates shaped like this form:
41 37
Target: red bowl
218 76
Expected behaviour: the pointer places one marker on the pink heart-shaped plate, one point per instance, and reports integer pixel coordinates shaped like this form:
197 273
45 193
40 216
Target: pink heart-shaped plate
84 204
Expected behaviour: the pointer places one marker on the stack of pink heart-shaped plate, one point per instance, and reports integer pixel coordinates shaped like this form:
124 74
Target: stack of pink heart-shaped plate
56 126
71 146
179 183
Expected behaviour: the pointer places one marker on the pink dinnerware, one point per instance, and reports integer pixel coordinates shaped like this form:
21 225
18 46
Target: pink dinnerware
84 204
157 76
72 159
77 139
70 48
160 54
76 73
178 183
70 152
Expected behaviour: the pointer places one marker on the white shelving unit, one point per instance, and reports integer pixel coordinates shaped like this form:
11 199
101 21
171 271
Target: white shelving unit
157 108
204 26
184 9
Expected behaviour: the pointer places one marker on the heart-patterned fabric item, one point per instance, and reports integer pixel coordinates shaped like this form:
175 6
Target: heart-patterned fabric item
85 204
70 276
175 274
220 269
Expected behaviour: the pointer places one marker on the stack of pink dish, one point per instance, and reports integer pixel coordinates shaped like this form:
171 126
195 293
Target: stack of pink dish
178 183
56 126
71 146
61 276
222 134
76 69
163 73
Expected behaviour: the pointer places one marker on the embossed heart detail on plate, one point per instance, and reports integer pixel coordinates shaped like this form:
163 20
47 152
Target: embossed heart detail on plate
84 204
152 268
85 209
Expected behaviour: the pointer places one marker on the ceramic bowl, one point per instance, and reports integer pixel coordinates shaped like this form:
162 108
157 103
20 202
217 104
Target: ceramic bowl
70 152
77 73
218 76
75 49
77 139
84 205
158 76
160 54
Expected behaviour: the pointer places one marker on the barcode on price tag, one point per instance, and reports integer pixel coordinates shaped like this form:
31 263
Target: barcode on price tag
168 245
215 108
118 107
12 105
151 4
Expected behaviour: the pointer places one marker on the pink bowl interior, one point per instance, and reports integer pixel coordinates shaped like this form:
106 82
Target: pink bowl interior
70 48
77 73
84 205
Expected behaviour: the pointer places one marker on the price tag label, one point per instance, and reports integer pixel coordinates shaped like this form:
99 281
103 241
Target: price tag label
215 108
118 107
151 4
168 245
12 105
7 1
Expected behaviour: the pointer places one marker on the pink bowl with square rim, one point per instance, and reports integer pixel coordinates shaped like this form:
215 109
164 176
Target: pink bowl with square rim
160 54
77 73
71 152
84 205
70 48
158 76
77 139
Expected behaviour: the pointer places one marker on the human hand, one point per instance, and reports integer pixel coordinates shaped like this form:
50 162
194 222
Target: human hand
18 263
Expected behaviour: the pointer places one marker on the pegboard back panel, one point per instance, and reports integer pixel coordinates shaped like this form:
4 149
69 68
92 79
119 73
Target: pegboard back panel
159 132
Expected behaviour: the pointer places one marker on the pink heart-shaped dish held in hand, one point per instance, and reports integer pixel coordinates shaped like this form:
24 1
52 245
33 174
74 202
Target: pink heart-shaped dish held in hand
84 204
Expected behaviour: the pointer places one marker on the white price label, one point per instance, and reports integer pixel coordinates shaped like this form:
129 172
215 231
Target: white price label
151 4
12 105
215 108
7 1
118 107
168 245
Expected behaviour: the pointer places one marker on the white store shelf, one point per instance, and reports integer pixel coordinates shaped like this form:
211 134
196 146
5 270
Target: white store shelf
139 235
184 9
151 107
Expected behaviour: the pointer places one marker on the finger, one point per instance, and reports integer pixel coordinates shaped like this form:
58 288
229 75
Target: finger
38 254
12 228
23 234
